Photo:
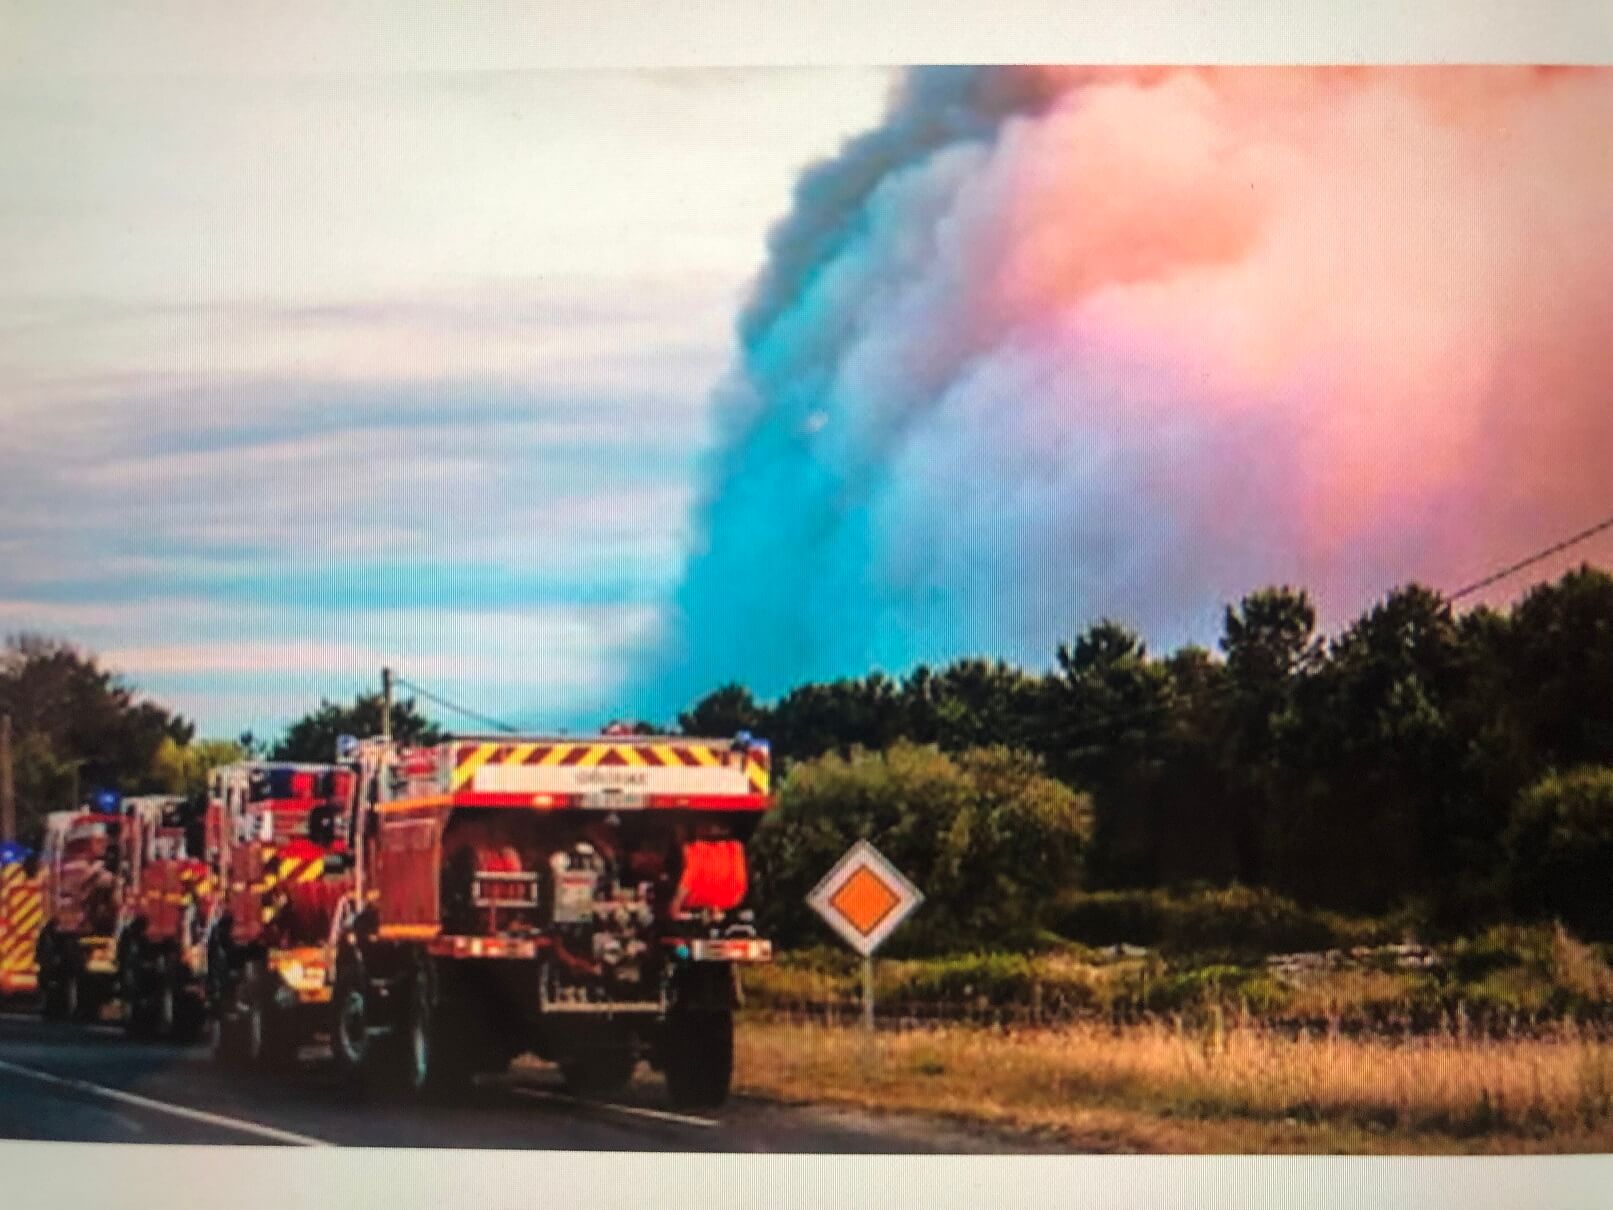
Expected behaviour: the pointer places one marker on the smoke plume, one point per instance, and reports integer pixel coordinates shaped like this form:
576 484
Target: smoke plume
1053 344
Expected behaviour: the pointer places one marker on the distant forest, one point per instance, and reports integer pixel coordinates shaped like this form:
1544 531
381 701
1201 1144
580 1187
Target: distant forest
1456 765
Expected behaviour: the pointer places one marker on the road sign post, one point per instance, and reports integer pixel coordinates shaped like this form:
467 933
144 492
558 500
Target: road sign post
865 898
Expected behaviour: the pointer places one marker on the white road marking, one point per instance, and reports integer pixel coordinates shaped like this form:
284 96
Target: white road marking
658 1115
178 1111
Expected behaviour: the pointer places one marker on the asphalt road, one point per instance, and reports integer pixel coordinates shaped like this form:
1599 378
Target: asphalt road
87 1083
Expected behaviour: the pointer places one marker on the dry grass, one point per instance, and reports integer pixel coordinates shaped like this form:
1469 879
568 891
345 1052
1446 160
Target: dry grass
1217 1086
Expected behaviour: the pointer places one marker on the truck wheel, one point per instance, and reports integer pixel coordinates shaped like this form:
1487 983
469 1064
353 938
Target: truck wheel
350 1041
137 1016
270 1042
229 1040
190 1010
52 978
50 998
435 1060
262 1039
163 1010
56 1005
75 1004
698 1057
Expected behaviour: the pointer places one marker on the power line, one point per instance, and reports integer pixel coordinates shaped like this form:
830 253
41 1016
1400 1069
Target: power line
1545 553
454 706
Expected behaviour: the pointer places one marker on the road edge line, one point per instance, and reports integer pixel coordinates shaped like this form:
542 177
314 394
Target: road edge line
180 1111
658 1115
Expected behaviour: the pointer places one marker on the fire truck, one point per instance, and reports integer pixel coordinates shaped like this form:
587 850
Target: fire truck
80 860
165 896
280 868
21 915
580 899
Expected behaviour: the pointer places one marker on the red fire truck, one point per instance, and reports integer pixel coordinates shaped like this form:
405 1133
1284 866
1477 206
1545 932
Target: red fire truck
79 864
576 898
165 898
280 868
22 913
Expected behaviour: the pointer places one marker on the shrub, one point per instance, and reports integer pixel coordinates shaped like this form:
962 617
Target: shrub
985 835
1233 921
1560 845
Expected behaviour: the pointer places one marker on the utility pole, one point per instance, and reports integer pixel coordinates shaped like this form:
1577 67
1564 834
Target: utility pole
8 784
386 703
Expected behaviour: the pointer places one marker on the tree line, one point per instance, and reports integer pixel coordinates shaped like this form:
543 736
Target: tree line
79 728
1456 765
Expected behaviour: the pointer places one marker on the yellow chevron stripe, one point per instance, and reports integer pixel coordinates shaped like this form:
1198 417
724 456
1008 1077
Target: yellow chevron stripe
313 870
664 755
518 754
704 756
467 767
556 754
593 756
287 868
632 755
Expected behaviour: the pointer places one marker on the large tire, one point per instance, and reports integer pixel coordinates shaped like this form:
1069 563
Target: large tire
163 1000
138 1021
190 1009
52 977
53 1000
435 1060
262 1039
75 1003
698 1057
351 1044
229 1044
223 1004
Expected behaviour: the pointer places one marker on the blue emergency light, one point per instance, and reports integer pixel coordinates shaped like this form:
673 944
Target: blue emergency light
107 802
12 852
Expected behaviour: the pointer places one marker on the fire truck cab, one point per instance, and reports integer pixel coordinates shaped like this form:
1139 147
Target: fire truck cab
581 899
80 862
280 868
165 898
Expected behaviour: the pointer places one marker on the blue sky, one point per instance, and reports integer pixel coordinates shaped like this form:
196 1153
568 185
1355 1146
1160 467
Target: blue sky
305 373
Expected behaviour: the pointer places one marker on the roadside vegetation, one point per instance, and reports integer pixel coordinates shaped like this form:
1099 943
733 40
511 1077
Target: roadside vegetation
1214 1085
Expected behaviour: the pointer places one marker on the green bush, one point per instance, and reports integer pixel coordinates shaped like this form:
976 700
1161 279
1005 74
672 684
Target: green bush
1218 984
1232 921
1560 845
1533 970
987 837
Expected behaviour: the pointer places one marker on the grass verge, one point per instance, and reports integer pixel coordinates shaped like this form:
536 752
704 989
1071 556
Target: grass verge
1216 1087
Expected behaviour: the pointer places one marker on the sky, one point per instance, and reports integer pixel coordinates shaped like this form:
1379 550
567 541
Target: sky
572 394
308 373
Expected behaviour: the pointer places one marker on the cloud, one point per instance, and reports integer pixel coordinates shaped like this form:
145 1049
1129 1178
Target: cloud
1052 344
321 367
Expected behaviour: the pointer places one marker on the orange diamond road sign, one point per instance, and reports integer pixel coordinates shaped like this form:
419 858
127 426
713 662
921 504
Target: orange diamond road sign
864 898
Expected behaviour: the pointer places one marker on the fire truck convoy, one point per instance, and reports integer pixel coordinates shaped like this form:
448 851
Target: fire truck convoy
430 912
